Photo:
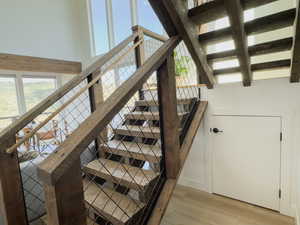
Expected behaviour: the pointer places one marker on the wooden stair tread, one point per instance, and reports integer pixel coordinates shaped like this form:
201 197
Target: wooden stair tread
146 115
88 221
183 101
138 131
151 153
113 206
116 172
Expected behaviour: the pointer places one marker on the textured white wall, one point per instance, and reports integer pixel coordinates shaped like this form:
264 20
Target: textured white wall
264 97
45 28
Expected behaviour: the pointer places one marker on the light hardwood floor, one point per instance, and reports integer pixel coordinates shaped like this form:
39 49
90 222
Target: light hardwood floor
192 207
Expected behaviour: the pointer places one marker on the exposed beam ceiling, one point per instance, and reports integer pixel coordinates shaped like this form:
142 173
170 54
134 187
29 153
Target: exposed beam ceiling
173 14
295 67
255 50
256 67
214 10
236 18
256 26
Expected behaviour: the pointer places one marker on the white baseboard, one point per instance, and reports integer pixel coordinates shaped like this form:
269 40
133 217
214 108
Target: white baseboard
296 214
192 183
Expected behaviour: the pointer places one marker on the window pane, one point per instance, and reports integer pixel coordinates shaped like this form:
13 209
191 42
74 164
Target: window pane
37 89
4 123
122 19
8 97
147 18
98 11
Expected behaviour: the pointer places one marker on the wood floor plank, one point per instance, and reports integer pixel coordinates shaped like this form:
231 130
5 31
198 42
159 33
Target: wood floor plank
194 207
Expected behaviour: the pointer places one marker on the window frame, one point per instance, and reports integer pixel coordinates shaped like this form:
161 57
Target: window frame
19 86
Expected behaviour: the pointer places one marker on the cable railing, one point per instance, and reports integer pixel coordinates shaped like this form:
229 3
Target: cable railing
104 136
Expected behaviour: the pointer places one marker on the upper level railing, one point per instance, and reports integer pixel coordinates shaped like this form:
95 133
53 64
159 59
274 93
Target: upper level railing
95 102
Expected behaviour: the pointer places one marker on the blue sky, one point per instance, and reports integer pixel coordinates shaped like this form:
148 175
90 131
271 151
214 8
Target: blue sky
122 21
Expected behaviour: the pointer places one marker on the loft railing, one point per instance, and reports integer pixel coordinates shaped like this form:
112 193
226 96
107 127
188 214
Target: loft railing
86 112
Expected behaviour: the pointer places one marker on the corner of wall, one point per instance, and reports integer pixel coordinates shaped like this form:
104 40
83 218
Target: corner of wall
296 212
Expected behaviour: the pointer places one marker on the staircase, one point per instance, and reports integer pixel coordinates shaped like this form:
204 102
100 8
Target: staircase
118 147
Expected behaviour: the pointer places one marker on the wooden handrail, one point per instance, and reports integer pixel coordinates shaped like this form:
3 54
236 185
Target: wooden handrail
151 34
37 64
69 101
50 100
55 166
178 86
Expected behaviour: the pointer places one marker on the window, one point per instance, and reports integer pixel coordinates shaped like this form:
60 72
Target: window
8 97
122 19
112 21
37 89
147 18
98 11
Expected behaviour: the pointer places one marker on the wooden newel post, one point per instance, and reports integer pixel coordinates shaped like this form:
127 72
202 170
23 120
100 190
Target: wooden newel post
65 199
12 203
96 98
139 52
169 120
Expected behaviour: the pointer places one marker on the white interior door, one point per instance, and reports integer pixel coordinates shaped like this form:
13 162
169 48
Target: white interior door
246 159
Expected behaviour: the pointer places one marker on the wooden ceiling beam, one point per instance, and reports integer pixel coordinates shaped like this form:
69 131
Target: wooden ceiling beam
173 14
295 67
256 67
257 26
214 10
280 45
236 18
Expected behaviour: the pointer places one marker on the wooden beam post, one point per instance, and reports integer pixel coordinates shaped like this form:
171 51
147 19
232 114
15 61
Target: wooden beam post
139 52
236 18
97 98
12 203
295 69
169 121
173 14
64 199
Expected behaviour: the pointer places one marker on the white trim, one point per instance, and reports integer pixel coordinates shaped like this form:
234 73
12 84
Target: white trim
91 28
110 23
191 183
20 94
133 11
296 214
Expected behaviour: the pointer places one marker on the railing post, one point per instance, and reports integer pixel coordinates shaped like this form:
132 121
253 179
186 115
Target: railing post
96 98
12 203
65 200
139 52
169 120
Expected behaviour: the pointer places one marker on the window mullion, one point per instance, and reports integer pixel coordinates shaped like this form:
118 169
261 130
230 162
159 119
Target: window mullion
134 14
110 24
20 94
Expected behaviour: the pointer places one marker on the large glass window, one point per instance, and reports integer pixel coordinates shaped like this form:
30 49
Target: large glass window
122 19
98 11
8 97
147 18
37 89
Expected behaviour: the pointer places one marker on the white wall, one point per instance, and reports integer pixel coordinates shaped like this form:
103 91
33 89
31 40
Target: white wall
265 97
45 28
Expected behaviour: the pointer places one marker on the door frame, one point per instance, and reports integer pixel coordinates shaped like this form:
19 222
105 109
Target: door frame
285 156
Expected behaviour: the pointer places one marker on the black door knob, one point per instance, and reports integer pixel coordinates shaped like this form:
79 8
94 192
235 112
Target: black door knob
216 130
